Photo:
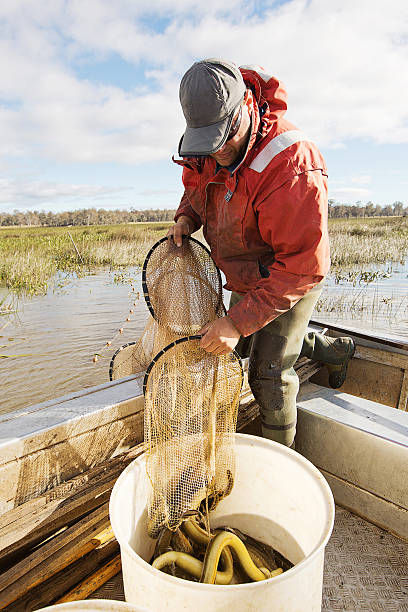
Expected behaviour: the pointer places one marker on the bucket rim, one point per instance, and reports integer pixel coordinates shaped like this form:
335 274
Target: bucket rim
253 441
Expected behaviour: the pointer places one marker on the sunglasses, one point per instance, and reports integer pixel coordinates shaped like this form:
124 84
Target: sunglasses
235 125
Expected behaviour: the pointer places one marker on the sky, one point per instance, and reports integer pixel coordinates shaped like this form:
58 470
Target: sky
89 109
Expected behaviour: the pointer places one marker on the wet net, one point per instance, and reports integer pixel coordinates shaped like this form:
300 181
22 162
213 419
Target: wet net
182 286
191 396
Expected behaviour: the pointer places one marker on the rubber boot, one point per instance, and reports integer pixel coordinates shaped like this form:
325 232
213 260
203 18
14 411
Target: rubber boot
335 353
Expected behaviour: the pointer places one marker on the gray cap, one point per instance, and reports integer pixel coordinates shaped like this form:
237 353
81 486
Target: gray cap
210 94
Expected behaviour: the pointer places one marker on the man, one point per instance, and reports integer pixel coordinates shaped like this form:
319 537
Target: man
258 187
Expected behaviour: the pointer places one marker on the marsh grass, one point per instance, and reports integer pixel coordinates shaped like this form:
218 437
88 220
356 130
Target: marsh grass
362 252
30 257
375 240
358 303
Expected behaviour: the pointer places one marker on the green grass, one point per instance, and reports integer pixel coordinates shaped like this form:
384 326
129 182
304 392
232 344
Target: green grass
357 247
31 256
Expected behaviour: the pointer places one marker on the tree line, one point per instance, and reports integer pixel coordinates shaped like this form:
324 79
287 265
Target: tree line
93 216
347 211
86 216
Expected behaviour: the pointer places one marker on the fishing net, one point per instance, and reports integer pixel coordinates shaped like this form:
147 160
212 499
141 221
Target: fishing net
191 405
182 288
191 396
191 402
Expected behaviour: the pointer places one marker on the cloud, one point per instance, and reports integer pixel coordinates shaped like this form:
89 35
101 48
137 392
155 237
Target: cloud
363 179
338 145
31 194
156 192
343 62
348 194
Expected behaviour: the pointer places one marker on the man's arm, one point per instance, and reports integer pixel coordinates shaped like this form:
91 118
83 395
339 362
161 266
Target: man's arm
293 220
187 221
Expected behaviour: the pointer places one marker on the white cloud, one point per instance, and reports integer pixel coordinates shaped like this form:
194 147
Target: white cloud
157 192
348 194
343 62
362 179
338 145
31 194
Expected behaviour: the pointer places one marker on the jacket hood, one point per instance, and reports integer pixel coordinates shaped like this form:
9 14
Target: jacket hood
269 103
269 93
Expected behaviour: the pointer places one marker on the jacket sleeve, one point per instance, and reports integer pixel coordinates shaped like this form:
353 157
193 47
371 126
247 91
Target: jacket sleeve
186 209
293 220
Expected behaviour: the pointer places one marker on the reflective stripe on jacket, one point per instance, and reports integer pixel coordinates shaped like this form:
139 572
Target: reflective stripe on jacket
266 223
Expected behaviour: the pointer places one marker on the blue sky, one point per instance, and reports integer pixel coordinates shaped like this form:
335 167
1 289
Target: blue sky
89 110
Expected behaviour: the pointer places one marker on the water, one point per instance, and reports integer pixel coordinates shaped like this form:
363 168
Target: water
379 307
58 334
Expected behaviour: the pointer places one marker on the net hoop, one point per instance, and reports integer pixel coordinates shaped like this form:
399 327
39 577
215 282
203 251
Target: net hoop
115 354
175 343
145 288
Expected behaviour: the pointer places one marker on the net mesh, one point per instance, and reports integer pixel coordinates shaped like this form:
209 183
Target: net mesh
191 402
188 276
191 396
183 291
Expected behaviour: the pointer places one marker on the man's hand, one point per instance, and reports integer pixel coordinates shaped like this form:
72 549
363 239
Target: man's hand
183 227
219 337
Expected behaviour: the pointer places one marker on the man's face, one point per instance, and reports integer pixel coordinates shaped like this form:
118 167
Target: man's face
232 149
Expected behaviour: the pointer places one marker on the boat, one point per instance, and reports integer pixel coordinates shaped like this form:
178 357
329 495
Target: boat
60 459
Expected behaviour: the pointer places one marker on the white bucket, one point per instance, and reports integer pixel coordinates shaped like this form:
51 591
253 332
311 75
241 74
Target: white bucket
278 497
95 605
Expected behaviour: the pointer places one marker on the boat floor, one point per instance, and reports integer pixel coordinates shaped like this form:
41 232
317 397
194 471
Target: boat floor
366 568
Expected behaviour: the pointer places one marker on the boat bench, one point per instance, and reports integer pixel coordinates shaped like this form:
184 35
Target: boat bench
361 447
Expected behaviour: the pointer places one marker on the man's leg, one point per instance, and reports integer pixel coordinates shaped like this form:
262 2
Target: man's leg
272 352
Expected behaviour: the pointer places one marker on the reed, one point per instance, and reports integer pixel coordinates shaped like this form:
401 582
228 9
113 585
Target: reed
30 257
358 303
376 240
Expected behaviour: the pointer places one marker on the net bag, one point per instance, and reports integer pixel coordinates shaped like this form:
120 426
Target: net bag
191 404
182 288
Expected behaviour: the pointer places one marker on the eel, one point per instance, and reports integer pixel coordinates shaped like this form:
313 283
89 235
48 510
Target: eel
178 553
223 540
194 566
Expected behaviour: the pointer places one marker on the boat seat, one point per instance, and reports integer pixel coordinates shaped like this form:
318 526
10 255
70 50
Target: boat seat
361 447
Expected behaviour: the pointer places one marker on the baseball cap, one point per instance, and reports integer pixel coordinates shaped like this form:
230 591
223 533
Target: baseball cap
210 94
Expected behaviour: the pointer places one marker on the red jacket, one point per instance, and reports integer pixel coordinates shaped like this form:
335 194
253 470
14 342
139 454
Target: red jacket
272 211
